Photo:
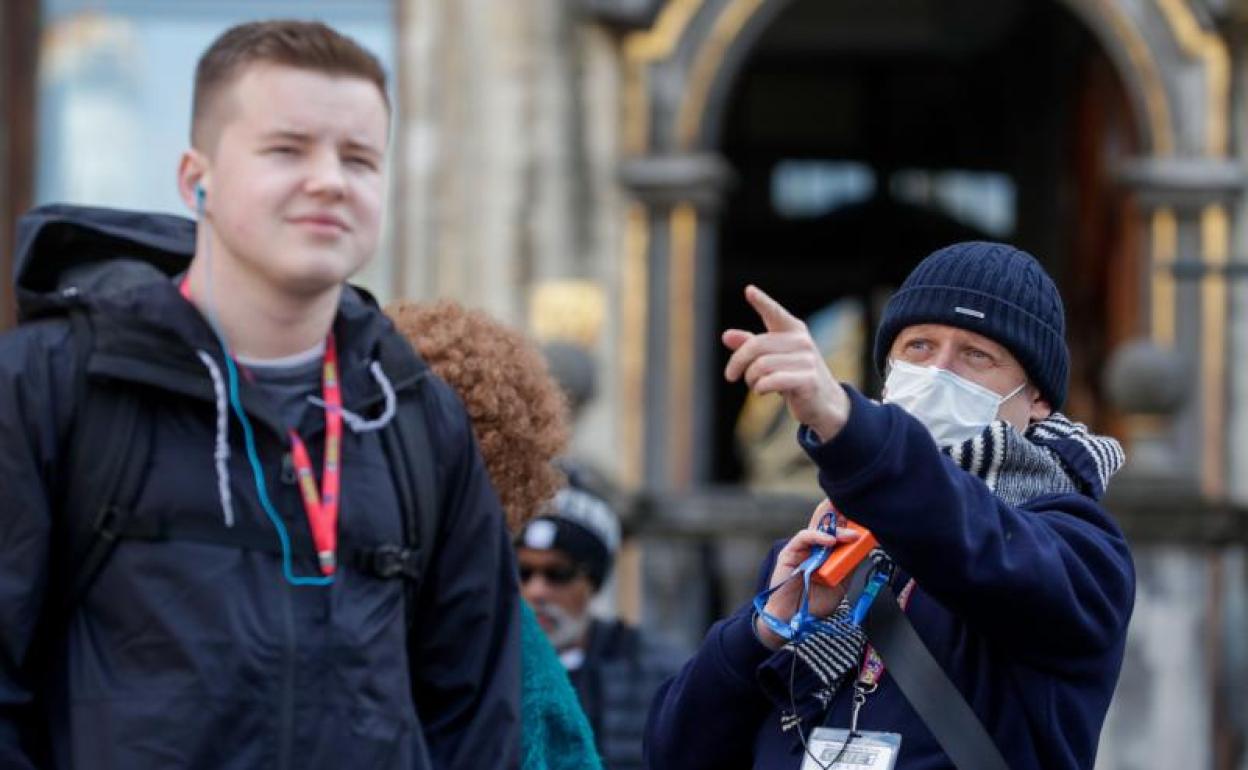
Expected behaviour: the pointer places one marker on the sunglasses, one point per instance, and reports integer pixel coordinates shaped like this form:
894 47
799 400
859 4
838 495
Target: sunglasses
556 576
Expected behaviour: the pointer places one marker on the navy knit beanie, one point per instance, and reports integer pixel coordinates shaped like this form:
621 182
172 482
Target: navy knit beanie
995 290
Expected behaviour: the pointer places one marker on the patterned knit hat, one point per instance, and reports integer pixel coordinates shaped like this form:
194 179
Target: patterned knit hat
995 290
581 525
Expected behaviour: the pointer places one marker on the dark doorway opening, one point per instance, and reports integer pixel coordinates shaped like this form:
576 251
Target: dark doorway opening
867 133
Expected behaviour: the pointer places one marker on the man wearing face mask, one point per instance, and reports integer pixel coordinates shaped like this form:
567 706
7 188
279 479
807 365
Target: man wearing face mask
984 500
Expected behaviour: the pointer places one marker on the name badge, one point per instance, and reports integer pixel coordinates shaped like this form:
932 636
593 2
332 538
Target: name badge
827 750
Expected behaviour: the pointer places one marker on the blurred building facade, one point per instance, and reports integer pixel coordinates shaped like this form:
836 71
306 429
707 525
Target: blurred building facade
613 172
672 152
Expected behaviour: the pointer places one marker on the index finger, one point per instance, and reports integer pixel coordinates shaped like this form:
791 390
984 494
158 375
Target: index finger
774 316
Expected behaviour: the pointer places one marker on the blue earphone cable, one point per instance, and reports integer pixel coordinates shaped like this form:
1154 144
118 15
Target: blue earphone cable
249 440
261 489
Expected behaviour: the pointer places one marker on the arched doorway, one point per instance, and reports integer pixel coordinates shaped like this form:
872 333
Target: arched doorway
853 129
1085 97
865 135
1143 116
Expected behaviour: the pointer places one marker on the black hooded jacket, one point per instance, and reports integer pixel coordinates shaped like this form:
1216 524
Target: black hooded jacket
200 655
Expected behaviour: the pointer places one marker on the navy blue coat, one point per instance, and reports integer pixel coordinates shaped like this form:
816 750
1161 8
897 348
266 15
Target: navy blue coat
1025 608
623 667
195 655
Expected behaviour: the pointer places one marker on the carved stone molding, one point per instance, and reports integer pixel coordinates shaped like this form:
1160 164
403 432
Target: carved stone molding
697 178
1183 183
623 14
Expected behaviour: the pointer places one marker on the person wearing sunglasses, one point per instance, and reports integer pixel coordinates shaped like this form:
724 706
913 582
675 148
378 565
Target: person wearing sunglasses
564 557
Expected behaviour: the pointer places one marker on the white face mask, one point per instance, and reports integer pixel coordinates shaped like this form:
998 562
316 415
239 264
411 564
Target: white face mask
952 408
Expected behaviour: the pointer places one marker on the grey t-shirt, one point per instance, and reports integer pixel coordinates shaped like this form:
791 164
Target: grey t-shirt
289 381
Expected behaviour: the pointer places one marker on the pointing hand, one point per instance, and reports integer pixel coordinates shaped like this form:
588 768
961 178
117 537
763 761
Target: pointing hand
784 359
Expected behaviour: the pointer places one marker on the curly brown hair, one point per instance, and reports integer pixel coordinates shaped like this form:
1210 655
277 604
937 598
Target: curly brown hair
518 412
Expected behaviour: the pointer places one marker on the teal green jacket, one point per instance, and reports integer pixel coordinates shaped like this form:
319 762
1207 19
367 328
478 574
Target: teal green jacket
556 734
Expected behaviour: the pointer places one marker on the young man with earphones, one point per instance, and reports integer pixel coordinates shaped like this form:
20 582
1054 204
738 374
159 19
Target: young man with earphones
988 628
244 526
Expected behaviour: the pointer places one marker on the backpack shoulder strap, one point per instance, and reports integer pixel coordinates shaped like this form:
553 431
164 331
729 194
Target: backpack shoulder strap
409 451
109 445
406 439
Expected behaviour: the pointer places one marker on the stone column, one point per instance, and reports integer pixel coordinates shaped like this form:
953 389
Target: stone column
507 168
1188 204
506 150
1177 689
678 198
671 266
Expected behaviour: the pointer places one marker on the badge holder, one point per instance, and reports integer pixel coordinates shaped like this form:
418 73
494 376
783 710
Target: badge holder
831 749
828 748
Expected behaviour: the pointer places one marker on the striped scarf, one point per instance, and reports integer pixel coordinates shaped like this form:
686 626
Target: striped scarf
1054 455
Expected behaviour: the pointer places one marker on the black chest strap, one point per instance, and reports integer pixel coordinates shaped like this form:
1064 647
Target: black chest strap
928 688
382 560
110 438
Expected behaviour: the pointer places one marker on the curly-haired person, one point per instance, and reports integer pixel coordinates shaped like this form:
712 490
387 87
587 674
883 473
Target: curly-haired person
519 417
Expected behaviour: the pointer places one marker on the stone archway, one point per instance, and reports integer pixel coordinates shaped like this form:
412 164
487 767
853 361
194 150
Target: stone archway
1175 69
679 74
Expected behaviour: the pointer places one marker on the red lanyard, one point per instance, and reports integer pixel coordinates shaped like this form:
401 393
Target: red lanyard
321 505
322 508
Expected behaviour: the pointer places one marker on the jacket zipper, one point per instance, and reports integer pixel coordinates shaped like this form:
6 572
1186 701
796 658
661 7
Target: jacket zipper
286 704
286 713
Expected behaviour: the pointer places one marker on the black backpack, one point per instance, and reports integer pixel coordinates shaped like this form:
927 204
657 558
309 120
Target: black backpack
109 415
67 253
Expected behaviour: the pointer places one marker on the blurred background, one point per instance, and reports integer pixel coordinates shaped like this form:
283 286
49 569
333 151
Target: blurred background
609 174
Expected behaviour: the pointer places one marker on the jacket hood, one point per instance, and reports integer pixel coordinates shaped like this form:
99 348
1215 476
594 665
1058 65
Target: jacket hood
63 250
122 262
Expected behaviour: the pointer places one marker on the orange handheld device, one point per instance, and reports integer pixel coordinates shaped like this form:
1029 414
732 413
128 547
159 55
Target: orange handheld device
845 557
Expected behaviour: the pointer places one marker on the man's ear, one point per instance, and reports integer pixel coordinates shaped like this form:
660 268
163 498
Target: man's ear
1039 407
193 179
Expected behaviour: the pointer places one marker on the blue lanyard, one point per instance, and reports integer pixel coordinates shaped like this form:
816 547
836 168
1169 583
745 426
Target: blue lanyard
803 623
879 577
